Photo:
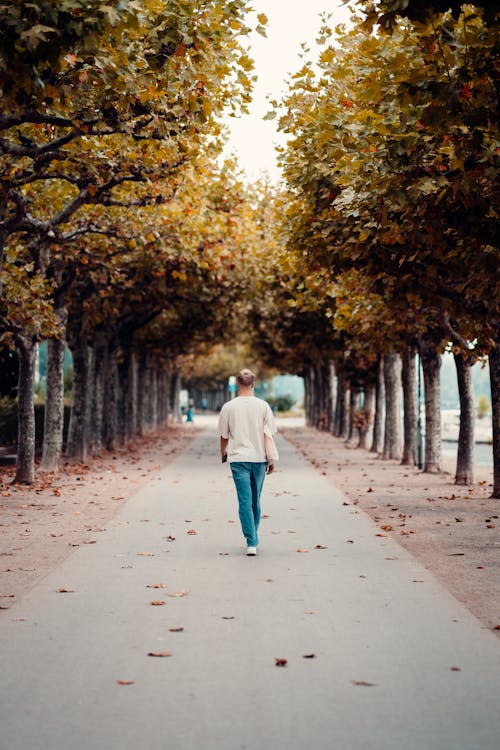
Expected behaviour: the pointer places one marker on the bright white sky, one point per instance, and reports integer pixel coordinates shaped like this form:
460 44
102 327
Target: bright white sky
290 23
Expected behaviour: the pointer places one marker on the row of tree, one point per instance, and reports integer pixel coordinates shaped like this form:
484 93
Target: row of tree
391 225
120 235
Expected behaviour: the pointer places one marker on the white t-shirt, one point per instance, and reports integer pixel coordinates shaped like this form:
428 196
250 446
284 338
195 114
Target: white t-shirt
242 421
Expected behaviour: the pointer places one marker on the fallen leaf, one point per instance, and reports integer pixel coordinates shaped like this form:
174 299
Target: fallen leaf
145 554
320 546
156 586
170 538
455 669
158 603
65 591
369 489
497 627
125 682
308 656
281 662
179 593
363 683
301 549
229 617
192 532
386 528
160 653
380 534
223 554
309 612
176 630
490 526
349 541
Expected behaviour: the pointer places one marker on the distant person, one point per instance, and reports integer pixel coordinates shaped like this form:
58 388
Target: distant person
204 404
190 414
241 428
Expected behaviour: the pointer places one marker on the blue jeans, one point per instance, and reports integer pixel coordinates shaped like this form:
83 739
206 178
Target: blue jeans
249 479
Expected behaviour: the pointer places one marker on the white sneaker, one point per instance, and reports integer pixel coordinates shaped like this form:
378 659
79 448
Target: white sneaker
251 551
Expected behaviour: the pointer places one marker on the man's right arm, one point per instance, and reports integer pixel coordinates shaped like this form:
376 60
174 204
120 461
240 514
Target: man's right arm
223 448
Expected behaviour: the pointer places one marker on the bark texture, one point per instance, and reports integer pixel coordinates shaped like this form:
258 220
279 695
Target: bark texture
98 364
54 405
25 465
379 418
410 401
431 364
354 401
77 447
392 433
368 414
465 454
494 360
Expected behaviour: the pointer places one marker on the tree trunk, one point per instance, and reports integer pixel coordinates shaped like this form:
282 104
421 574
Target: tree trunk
431 364
379 420
176 390
494 360
345 413
77 447
110 398
99 353
392 433
333 396
410 400
54 404
465 454
25 465
353 433
368 409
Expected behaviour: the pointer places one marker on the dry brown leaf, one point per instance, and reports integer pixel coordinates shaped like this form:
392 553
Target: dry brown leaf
125 682
309 612
145 554
158 603
156 586
301 549
281 662
381 534
65 591
386 528
363 683
192 532
160 653
455 669
229 617
179 593
176 630
308 656
320 546
170 538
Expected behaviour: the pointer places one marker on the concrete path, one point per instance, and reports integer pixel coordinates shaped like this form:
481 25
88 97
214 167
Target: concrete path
385 635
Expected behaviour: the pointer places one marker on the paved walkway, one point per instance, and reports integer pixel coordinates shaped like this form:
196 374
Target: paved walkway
385 635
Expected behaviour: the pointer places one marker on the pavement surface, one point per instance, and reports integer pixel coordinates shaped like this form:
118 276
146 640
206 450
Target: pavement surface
398 662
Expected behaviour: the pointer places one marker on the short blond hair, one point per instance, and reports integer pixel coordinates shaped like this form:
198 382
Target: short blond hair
246 378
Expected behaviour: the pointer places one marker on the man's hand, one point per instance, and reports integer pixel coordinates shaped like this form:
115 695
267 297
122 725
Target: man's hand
270 468
224 457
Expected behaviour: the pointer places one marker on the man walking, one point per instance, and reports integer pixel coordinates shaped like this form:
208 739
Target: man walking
241 430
